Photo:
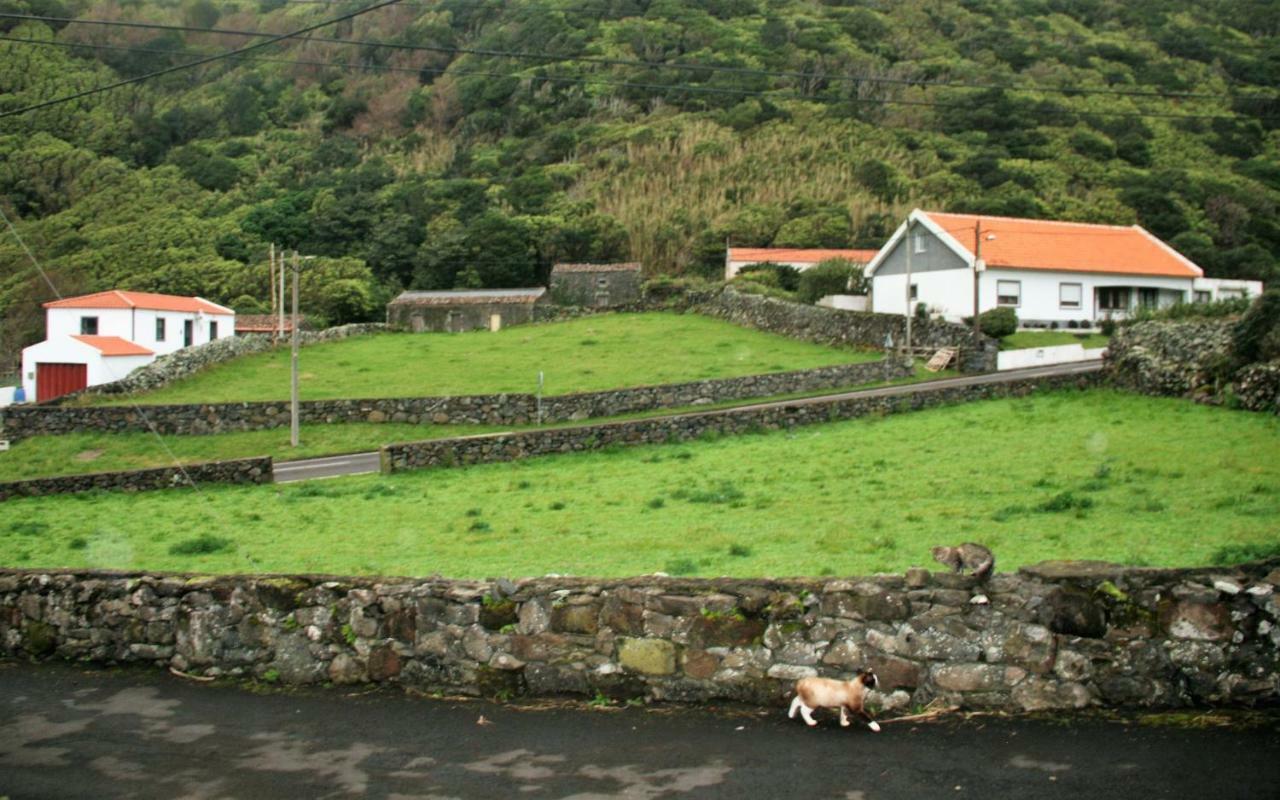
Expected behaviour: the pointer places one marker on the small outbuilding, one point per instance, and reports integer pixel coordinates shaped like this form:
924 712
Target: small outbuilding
463 309
595 285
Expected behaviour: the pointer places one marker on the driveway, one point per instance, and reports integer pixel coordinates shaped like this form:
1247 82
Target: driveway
68 732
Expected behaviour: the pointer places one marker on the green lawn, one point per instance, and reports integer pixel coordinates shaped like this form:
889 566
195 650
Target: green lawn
1026 339
588 354
1100 475
77 453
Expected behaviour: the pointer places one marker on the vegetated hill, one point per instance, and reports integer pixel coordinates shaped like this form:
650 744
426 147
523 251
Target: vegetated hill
513 133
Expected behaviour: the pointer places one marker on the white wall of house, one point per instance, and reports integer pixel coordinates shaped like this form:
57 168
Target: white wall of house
948 292
66 350
1213 289
1041 292
138 325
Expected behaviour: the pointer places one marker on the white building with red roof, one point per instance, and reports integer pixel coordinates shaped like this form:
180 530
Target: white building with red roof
1047 272
99 338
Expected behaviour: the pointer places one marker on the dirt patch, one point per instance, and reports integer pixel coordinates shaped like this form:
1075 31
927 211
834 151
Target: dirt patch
89 455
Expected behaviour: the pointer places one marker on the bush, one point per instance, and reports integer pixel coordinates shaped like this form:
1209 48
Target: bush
998 322
1107 327
922 312
1257 335
833 276
780 275
1072 324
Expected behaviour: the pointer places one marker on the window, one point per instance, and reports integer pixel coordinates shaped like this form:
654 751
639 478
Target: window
602 283
1009 293
1070 295
1231 294
88 326
1204 297
1148 298
1113 299
915 291
213 331
159 329
920 243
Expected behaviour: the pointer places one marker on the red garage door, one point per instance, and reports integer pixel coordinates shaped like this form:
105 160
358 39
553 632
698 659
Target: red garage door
55 380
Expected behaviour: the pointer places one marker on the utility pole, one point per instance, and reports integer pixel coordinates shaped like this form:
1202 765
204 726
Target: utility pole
280 318
977 266
293 377
271 286
907 239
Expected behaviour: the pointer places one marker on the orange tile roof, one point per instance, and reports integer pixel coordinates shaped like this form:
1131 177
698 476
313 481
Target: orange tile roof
114 298
114 346
782 255
1067 246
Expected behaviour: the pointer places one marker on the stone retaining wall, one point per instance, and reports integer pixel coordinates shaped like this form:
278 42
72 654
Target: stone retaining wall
1055 636
1166 357
20 422
837 327
241 470
527 444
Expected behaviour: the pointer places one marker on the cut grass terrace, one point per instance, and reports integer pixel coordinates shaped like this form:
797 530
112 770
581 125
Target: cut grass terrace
594 353
1099 474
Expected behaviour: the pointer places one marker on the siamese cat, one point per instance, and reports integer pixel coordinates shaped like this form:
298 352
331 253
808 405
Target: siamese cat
848 696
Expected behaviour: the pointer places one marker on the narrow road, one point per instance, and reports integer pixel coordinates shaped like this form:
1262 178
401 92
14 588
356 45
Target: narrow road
72 732
357 463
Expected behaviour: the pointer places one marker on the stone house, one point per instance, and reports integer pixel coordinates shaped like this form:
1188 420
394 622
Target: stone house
463 309
595 285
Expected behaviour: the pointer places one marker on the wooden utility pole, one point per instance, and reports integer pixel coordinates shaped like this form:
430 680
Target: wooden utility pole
280 318
293 367
271 287
977 264
910 246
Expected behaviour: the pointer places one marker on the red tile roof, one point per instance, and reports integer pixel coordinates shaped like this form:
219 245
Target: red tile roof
114 346
1067 246
783 255
266 323
630 266
114 298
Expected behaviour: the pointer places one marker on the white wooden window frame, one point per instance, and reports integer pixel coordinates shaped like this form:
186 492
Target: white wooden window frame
1002 294
1075 304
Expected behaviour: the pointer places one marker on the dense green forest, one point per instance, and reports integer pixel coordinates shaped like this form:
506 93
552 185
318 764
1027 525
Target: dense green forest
475 142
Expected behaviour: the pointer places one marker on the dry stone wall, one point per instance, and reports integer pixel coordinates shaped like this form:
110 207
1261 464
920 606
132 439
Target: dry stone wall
1168 358
527 444
20 422
241 470
1056 636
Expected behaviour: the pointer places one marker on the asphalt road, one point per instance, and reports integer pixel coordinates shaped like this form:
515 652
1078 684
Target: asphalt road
68 732
358 463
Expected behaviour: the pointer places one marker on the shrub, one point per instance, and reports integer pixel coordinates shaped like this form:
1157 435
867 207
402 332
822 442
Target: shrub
1065 501
783 276
1107 327
1257 335
998 322
833 276
922 312
203 544
1072 324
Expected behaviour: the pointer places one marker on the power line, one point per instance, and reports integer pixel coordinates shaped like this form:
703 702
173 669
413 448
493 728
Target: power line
748 71
196 63
673 87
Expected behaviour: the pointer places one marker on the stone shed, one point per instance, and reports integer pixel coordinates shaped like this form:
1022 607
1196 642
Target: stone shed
595 285
463 309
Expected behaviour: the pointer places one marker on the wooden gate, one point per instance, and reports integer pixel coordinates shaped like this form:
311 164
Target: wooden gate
55 380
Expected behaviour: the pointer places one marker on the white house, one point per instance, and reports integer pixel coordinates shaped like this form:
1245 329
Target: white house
737 259
1048 272
99 338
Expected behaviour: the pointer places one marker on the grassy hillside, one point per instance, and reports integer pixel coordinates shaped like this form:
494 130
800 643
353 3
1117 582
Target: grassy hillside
474 142
589 354
1098 475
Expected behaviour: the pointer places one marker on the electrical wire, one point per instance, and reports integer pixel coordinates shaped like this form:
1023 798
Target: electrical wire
207 60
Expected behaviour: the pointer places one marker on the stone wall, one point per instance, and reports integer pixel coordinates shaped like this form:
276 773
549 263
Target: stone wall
241 470
457 317
20 422
1055 636
1168 358
831 326
583 287
527 444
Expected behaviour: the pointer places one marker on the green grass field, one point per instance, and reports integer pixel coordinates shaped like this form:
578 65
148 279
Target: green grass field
1025 339
1101 475
589 354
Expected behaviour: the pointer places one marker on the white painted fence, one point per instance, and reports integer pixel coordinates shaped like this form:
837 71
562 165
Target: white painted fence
845 302
1043 356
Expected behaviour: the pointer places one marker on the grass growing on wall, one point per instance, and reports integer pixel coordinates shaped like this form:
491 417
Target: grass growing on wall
1101 475
589 354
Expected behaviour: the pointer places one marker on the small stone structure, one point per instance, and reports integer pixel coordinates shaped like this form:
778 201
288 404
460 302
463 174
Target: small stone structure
595 285
21 422
496 447
1058 635
241 470
463 309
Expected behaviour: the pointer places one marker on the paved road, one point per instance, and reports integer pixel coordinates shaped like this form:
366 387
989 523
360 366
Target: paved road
357 463
68 732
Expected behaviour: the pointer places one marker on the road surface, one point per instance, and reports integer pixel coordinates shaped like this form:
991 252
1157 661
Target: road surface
358 463
72 732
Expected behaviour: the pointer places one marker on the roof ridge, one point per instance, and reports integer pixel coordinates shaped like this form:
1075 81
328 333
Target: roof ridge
1062 222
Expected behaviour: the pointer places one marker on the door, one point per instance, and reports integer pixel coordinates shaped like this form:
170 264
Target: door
495 322
55 380
186 333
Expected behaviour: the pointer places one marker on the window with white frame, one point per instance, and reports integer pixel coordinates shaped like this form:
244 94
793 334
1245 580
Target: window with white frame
159 329
1009 293
88 326
1070 295
213 330
921 243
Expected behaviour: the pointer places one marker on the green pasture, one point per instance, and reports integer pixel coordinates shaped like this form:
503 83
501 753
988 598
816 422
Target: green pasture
1100 475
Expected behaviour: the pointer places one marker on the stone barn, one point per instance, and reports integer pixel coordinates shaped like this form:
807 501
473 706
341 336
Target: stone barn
463 309
595 285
